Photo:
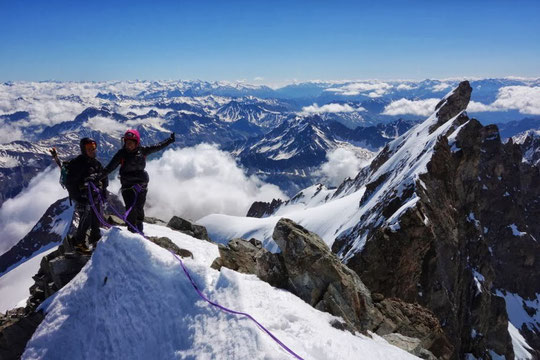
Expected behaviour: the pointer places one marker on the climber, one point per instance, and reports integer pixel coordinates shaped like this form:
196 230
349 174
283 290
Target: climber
133 178
81 170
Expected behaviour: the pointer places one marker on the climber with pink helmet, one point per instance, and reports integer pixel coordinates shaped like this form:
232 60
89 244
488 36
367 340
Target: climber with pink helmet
133 176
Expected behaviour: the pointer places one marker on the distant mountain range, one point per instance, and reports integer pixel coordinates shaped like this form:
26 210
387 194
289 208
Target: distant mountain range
271 130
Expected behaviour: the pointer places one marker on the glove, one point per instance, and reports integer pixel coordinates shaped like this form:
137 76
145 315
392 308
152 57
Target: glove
91 178
102 175
173 138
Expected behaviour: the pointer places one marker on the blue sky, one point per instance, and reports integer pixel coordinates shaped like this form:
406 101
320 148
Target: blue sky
275 40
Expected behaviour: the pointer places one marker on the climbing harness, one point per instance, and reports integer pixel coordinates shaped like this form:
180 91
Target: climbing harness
93 187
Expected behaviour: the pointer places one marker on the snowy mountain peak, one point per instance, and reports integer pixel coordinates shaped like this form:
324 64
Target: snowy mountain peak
443 216
453 103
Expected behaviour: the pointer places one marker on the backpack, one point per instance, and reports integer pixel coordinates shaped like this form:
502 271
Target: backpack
64 171
64 167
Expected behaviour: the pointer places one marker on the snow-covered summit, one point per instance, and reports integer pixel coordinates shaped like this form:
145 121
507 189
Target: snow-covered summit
132 300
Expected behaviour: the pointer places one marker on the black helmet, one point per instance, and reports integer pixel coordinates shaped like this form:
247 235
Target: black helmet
83 143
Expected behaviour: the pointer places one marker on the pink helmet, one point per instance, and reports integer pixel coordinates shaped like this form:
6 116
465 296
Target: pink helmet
132 135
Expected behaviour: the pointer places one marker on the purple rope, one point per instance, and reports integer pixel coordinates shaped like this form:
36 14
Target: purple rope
137 188
93 205
188 275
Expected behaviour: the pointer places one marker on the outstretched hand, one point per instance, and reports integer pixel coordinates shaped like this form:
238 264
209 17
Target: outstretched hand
173 137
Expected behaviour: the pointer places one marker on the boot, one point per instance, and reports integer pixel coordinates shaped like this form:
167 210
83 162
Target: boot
83 249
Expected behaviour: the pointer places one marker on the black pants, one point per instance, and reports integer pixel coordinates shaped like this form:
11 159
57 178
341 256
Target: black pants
87 219
136 203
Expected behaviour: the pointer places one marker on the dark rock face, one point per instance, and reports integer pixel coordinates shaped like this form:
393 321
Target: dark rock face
308 268
453 104
166 243
413 321
239 255
471 236
317 276
56 270
261 209
15 331
182 225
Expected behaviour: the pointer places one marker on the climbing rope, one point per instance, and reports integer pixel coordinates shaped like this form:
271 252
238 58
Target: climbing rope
93 187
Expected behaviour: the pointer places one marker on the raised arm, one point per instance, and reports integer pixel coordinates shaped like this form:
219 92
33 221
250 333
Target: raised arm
147 150
113 164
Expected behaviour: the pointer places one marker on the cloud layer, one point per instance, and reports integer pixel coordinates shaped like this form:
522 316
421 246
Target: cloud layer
413 107
371 89
201 180
525 99
329 108
341 163
20 214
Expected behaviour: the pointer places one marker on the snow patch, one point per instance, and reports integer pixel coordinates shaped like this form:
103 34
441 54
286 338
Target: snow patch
515 230
519 344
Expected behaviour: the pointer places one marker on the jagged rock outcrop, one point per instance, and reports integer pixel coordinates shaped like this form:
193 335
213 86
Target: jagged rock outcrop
187 227
453 104
449 220
261 209
166 243
16 328
56 270
308 268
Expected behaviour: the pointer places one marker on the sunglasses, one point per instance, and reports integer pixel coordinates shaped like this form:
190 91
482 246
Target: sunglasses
90 146
130 136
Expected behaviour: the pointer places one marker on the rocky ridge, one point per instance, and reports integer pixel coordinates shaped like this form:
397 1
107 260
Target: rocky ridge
448 221
308 268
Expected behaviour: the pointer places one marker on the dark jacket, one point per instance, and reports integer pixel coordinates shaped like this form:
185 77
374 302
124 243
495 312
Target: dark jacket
80 170
133 163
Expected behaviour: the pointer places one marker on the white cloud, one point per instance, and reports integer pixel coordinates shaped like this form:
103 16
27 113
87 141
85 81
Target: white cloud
258 78
197 181
526 99
374 89
414 107
329 108
106 124
441 87
9 133
19 214
405 87
341 164
479 107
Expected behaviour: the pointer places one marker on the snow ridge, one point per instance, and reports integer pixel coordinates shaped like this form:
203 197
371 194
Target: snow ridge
132 300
